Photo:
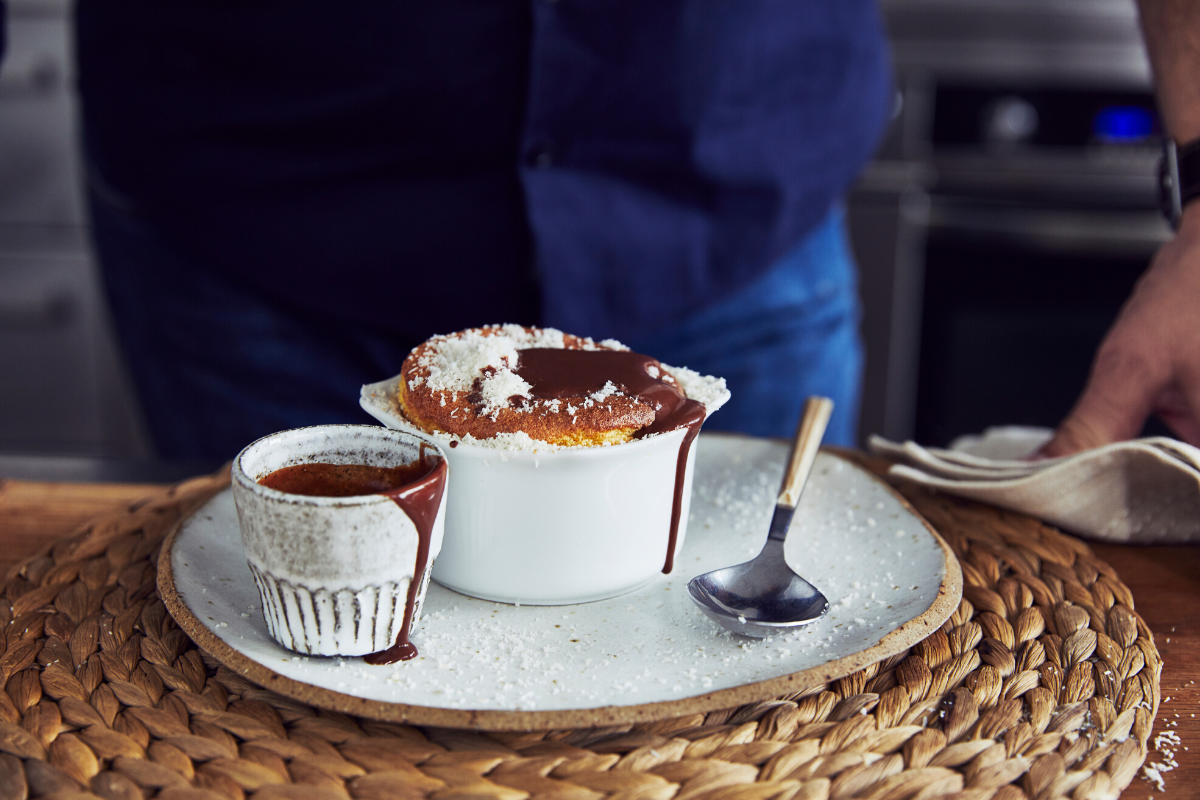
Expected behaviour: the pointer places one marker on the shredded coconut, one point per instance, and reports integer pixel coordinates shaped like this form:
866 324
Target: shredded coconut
508 441
499 388
1166 743
455 362
483 361
710 391
608 391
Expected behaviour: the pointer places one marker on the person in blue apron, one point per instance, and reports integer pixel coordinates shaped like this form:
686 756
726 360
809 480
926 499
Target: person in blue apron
285 199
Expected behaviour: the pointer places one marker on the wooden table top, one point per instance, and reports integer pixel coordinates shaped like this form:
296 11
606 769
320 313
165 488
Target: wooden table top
1165 582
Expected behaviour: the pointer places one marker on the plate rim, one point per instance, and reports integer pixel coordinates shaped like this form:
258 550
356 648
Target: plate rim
908 634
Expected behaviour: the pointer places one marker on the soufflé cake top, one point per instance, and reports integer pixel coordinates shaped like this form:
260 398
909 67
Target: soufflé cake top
516 387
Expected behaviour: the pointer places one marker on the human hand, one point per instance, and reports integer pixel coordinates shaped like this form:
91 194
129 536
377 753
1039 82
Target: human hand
1149 362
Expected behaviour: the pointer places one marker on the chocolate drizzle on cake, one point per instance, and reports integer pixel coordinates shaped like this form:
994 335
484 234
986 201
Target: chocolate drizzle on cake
554 373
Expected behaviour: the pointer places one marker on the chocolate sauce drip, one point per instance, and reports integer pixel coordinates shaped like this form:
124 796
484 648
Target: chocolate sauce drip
420 502
689 436
555 373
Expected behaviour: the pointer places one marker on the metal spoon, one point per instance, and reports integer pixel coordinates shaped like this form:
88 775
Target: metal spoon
763 597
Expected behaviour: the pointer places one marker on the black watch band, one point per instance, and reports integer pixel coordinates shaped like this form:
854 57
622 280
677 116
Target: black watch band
1178 178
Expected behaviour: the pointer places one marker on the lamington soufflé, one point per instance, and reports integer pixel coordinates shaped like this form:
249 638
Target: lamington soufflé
516 385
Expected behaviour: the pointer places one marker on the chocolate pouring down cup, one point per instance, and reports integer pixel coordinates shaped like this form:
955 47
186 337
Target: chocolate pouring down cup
340 575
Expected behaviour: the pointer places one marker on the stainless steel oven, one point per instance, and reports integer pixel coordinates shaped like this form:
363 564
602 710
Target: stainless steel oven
1008 214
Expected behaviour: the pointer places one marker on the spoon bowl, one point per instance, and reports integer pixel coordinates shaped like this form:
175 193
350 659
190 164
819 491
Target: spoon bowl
759 598
765 596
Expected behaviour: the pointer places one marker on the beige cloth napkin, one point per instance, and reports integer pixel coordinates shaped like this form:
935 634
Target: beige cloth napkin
1145 491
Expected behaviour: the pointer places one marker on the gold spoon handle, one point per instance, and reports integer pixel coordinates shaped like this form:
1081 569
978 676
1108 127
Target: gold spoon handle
804 449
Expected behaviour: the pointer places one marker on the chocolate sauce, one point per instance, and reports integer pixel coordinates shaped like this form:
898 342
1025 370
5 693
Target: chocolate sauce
417 488
420 501
555 373
343 480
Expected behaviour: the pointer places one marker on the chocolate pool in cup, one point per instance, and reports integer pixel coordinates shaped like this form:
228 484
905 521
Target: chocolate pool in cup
342 575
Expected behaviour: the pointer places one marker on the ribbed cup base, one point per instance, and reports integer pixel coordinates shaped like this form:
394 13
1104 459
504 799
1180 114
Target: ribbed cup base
321 622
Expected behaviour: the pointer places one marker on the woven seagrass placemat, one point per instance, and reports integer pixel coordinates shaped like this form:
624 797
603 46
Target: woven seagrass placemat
1043 684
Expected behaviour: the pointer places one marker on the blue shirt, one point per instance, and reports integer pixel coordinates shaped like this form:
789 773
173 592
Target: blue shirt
421 167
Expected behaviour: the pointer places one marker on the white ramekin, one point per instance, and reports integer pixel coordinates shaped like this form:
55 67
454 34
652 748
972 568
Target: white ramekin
333 572
554 526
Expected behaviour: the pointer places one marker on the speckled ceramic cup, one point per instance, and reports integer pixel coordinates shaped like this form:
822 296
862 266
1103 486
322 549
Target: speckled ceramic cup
333 572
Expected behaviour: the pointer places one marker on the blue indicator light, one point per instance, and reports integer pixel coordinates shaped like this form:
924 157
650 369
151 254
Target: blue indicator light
1123 124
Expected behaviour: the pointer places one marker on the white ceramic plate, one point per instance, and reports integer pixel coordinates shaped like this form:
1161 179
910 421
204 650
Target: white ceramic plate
645 655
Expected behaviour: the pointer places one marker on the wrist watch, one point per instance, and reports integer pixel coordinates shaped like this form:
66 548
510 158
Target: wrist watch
1178 178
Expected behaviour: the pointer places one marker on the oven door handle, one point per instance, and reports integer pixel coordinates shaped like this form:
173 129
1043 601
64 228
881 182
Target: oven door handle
1079 231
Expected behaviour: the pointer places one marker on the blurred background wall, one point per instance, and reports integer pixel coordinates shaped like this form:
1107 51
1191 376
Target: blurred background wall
1007 214
62 390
